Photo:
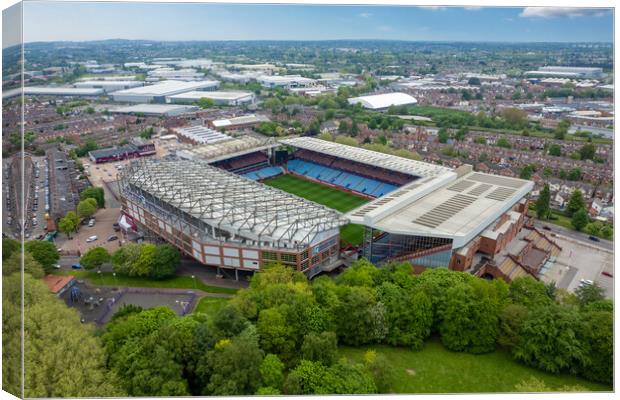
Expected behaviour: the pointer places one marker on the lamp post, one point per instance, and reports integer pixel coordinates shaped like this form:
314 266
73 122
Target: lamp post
114 275
100 277
194 279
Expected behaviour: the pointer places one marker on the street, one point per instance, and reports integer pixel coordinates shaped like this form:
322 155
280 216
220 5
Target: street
580 236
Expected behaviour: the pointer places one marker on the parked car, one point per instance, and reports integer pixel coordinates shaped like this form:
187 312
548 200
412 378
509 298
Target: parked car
547 228
112 238
607 274
584 282
76 266
91 239
91 223
57 266
594 239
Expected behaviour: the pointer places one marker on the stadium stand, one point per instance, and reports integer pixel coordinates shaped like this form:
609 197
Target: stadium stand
244 163
347 180
264 173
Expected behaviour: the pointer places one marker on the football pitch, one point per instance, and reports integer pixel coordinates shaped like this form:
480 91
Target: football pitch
325 195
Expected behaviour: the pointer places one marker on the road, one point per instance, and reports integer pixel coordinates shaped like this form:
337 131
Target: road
569 233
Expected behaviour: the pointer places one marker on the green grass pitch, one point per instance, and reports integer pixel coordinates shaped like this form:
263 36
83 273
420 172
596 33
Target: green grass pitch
325 195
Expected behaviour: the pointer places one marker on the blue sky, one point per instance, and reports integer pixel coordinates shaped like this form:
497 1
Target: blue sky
46 21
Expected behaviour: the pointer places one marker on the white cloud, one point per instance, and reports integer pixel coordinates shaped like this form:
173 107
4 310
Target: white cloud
472 8
364 15
385 28
433 8
562 12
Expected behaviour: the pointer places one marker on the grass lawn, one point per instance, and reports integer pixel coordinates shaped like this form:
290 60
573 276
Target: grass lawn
210 305
437 370
177 282
325 195
556 219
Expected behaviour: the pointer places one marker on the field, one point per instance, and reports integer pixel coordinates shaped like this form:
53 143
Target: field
210 305
325 195
437 370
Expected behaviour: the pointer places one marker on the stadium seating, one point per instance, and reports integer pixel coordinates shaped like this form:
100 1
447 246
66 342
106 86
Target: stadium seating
347 180
244 163
264 173
369 171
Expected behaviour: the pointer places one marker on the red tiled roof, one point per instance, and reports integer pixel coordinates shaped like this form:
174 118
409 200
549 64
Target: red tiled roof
55 283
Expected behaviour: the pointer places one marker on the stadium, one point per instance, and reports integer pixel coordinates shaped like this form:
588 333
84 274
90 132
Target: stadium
315 205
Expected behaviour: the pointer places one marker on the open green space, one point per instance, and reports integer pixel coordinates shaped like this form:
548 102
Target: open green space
210 305
434 369
325 195
176 282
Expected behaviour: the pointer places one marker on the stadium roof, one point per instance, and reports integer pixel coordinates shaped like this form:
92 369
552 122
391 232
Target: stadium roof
230 202
243 120
458 209
167 88
378 101
370 157
231 148
202 134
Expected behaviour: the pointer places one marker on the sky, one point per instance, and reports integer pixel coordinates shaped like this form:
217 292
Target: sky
50 21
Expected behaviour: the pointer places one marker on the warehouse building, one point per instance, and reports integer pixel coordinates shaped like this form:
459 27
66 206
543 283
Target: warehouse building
52 91
108 86
156 110
158 92
229 98
568 72
383 101
187 74
285 81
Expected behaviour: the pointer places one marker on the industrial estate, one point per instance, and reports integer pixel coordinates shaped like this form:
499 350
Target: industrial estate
240 218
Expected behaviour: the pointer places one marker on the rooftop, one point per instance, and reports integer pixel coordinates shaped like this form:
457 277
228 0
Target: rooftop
459 209
56 283
374 158
167 88
384 100
202 134
155 109
214 95
245 119
231 202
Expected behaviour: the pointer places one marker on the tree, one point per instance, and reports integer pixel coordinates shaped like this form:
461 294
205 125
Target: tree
575 203
361 319
31 266
470 317
69 223
87 208
591 293
124 258
515 117
380 369
95 258
529 292
543 208
580 219
555 150
167 259
503 142
9 246
205 102
526 172
409 315
44 252
442 135
272 371
320 347
96 193
574 174
343 127
235 367
561 130
229 321
510 322
50 328
587 151
144 264
276 335
597 331
552 342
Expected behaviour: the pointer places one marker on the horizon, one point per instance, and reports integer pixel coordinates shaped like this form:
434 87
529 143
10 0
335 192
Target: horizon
52 21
